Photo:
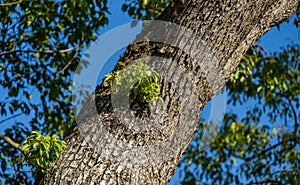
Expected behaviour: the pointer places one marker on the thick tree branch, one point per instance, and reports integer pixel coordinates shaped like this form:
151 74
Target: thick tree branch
98 141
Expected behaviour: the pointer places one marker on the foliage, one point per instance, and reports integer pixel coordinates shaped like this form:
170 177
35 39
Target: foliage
262 146
41 43
141 84
41 151
146 89
145 9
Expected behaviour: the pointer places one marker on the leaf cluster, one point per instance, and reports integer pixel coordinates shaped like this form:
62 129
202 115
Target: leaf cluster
41 151
141 83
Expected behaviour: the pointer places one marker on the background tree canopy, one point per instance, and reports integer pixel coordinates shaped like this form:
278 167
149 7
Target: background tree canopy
41 44
262 146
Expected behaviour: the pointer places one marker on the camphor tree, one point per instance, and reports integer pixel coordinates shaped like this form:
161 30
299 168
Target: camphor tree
41 45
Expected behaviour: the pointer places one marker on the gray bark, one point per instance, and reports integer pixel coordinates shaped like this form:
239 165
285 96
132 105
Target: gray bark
228 28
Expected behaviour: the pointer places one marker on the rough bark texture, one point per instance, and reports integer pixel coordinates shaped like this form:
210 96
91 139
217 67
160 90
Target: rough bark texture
229 28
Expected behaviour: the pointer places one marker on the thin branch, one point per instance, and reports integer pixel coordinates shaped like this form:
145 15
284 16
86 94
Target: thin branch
271 147
44 52
6 69
38 51
261 152
281 171
295 117
266 181
264 50
17 171
13 3
12 117
69 63
12 143
238 156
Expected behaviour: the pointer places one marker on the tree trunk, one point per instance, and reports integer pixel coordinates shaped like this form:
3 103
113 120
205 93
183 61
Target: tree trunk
228 29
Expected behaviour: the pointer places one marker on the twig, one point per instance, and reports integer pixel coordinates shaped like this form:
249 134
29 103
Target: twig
67 65
12 143
266 181
263 49
281 171
44 52
13 3
272 147
295 118
39 51
262 152
238 156
5 68
17 171
14 116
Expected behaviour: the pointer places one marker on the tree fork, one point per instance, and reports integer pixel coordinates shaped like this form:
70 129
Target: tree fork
228 28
